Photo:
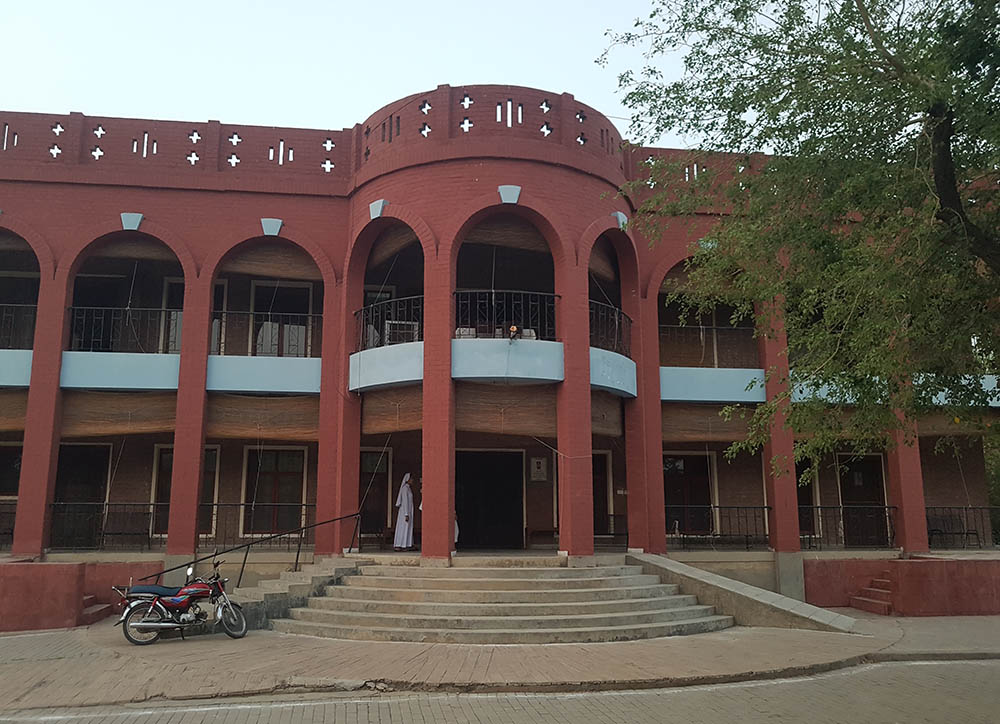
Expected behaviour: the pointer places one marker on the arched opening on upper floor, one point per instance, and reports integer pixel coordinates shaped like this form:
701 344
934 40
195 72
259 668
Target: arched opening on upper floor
505 281
610 326
127 296
708 338
19 279
267 301
393 301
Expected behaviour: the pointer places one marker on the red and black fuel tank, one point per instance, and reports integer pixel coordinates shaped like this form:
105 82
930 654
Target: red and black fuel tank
186 594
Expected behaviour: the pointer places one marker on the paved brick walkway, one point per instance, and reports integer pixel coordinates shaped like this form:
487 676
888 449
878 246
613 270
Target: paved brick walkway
96 665
936 693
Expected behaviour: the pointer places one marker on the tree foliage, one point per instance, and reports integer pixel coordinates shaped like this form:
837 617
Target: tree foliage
851 152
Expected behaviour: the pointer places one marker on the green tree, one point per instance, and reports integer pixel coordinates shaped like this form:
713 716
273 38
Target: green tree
851 152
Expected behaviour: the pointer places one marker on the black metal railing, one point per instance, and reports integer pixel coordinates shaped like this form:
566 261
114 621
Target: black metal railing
491 314
105 526
963 527
265 334
17 326
718 526
847 526
124 329
694 346
8 509
393 321
610 328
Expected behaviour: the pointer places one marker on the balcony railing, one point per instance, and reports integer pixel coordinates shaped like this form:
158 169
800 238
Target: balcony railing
264 334
143 526
963 527
104 526
690 346
8 509
125 329
610 328
848 526
488 313
393 321
718 526
17 326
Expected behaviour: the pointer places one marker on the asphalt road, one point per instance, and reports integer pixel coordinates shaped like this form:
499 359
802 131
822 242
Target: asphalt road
912 692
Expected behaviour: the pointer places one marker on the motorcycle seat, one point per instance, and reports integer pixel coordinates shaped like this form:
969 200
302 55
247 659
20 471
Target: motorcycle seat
155 590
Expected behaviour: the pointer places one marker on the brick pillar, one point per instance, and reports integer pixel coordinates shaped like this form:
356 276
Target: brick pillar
906 491
647 524
438 444
189 424
332 490
779 452
42 422
575 441
780 481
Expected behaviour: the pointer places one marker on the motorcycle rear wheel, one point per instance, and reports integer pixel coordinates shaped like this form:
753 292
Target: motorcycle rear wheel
145 612
234 623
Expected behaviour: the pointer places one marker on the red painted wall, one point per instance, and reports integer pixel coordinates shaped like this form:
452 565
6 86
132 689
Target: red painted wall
920 587
37 596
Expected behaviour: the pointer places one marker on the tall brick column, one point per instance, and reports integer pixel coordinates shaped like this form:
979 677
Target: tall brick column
647 524
42 423
573 420
906 491
780 481
438 445
189 424
332 490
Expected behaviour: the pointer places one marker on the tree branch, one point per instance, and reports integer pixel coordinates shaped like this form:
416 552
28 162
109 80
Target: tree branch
951 211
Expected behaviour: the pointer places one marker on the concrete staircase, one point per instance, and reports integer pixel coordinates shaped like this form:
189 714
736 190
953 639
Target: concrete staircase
91 611
272 598
876 597
499 605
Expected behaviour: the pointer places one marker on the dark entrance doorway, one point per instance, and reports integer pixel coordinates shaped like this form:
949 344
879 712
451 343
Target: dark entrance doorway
687 491
488 499
81 485
602 516
862 495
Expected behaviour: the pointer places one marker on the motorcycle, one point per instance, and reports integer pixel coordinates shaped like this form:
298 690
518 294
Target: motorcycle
150 609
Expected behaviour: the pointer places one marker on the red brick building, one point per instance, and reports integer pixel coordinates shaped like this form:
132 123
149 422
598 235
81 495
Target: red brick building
211 332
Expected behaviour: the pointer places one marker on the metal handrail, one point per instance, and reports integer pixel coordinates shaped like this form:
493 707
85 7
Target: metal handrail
610 328
373 322
258 541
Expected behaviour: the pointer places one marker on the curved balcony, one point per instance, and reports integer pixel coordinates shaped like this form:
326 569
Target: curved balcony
505 314
125 329
610 329
394 321
17 326
390 348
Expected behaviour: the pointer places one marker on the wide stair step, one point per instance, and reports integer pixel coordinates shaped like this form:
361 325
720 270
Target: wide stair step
703 624
93 612
499 584
493 604
871 605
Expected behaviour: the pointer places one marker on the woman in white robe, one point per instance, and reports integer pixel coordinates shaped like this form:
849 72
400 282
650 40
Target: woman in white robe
404 518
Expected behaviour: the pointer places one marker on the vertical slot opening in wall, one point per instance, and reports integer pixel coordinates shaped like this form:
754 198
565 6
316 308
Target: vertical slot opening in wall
383 130
499 112
520 113
397 125
510 109
390 129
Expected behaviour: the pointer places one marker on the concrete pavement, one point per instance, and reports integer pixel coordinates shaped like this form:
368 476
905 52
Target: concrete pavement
95 665
916 693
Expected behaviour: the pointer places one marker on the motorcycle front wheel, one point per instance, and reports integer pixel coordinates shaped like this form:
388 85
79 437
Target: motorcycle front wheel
234 623
145 613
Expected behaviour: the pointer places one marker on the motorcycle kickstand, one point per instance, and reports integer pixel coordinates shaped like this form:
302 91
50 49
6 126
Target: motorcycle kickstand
182 633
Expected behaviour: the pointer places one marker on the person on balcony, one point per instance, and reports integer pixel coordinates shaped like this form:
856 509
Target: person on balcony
403 540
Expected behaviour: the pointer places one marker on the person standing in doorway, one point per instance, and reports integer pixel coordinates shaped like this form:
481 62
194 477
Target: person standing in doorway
403 540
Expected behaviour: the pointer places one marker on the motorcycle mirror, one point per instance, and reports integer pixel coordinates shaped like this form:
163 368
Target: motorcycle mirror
190 571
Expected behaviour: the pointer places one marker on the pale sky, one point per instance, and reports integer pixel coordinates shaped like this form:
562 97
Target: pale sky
301 63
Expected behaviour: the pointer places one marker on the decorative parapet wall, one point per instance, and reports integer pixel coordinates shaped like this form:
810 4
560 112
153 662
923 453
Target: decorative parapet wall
472 121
